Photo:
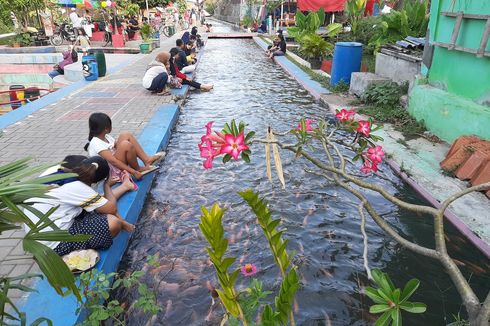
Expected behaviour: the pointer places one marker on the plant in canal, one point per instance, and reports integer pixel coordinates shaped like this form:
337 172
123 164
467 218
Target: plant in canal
96 287
391 301
17 184
244 306
335 166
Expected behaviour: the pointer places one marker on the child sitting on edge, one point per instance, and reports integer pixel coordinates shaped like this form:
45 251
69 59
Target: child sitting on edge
175 72
122 153
81 210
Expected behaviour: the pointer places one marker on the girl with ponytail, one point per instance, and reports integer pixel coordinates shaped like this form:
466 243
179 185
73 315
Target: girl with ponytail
122 153
81 210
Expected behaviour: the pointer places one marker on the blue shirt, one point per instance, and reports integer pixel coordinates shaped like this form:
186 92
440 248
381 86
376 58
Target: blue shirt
182 62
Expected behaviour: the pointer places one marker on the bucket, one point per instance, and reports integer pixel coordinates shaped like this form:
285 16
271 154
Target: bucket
32 94
145 48
89 68
16 96
346 60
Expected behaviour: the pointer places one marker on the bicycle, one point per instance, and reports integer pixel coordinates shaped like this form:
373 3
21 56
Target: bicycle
184 24
165 29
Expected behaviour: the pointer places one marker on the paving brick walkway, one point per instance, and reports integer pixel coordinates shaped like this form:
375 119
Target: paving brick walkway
61 129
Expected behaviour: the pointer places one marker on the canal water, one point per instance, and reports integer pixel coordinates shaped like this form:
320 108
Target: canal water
322 221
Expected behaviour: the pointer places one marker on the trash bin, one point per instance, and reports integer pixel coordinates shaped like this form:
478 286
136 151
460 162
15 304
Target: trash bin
16 96
346 60
89 68
101 63
32 94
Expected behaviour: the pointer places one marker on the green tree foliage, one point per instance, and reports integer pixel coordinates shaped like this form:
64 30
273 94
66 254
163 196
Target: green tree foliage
22 9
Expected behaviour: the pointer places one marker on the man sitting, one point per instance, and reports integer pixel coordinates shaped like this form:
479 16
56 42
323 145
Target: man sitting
182 63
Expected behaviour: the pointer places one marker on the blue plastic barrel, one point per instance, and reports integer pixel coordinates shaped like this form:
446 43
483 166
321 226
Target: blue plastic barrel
346 60
89 67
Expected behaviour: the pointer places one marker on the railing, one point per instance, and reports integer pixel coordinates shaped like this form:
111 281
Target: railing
20 97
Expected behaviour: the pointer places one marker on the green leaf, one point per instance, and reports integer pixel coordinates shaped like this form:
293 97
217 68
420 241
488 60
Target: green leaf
245 157
396 296
378 308
414 307
384 319
397 317
373 295
409 289
227 158
40 320
249 136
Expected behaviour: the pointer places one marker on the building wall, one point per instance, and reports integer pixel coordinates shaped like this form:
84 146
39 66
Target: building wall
455 71
455 99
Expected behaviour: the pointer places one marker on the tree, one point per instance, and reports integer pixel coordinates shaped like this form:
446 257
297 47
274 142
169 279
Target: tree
21 8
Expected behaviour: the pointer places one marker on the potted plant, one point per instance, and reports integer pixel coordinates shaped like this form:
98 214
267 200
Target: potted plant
22 39
314 48
146 32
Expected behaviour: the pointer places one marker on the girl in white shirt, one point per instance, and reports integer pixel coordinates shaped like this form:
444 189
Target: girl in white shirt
122 153
81 210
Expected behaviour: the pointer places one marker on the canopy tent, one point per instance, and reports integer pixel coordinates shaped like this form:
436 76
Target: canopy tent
87 4
327 5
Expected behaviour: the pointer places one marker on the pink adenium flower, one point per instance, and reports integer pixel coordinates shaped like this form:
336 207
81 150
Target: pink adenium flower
234 145
369 167
364 128
249 270
308 126
345 115
207 152
375 154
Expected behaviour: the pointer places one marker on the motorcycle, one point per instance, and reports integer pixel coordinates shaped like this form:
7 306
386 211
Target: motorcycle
63 32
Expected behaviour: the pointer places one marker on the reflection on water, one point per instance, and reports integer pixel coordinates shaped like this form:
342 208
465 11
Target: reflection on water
322 221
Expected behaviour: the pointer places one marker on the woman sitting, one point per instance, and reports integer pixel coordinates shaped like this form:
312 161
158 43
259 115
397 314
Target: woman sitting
280 50
176 73
121 154
59 68
156 75
81 210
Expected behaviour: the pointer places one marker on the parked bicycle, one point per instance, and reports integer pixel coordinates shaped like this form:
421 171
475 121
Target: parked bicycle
63 32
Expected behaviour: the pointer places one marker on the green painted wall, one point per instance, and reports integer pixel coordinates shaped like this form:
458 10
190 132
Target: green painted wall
455 71
455 100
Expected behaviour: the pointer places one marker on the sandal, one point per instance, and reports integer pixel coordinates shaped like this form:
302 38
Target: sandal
160 155
135 186
150 170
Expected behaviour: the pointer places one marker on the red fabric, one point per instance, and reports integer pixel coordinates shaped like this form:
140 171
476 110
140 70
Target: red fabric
327 5
369 7
178 73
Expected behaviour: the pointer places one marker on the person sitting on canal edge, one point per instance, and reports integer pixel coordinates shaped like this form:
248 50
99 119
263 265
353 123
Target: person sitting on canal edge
133 27
122 153
156 75
175 72
83 40
59 68
81 210
181 61
280 50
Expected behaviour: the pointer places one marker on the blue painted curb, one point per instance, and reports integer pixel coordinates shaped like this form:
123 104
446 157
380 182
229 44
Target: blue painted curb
17 115
313 87
61 310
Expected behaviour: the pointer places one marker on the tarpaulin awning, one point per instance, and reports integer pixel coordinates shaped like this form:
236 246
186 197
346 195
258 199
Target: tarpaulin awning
327 5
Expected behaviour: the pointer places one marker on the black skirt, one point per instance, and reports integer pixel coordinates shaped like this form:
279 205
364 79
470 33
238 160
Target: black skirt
91 223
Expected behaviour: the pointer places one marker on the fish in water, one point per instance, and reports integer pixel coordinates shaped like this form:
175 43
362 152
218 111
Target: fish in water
168 308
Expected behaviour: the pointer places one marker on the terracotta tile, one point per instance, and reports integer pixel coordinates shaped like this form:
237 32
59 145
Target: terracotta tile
482 175
472 164
462 141
463 153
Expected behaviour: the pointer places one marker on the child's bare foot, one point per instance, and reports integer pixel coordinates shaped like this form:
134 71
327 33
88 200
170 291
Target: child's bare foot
206 87
128 183
127 226
164 92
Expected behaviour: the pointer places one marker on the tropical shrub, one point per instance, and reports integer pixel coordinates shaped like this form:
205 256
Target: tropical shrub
314 46
247 21
307 24
355 12
146 31
412 20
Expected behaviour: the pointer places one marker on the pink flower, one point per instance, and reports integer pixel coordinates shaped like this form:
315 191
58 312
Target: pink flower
369 167
375 154
345 115
234 145
208 126
208 153
364 127
308 126
249 270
